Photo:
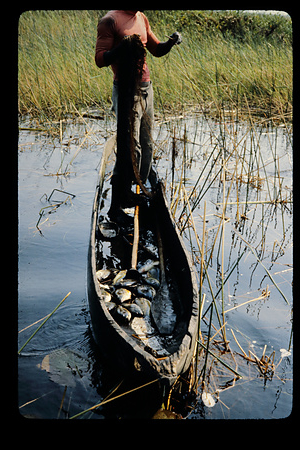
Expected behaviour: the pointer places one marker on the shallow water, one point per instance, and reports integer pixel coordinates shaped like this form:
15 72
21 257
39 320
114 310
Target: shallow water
52 262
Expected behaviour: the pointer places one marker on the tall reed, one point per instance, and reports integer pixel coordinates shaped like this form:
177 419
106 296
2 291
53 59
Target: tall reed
212 70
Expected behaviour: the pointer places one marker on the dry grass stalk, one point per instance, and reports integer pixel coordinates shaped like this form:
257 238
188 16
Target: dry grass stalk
265 364
265 294
43 323
107 400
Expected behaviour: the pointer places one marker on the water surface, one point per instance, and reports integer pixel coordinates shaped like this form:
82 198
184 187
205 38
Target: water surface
52 262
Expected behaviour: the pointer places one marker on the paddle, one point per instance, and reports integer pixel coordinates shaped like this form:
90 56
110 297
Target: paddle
133 273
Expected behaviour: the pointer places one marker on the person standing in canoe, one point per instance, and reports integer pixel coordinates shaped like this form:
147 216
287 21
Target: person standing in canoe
112 32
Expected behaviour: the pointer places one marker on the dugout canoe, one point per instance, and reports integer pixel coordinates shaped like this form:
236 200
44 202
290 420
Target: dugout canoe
127 349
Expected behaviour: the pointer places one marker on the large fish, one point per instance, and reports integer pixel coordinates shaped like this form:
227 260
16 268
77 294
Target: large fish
145 291
134 309
122 314
148 266
144 304
103 274
123 295
119 276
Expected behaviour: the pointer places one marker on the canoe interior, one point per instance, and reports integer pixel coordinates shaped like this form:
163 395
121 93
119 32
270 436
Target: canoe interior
138 343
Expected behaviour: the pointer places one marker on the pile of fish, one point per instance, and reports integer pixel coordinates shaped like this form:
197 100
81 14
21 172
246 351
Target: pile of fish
127 298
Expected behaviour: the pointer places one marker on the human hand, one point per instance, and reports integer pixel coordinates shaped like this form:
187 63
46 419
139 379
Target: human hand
176 38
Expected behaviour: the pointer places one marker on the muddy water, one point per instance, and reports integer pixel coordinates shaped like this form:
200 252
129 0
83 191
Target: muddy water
52 262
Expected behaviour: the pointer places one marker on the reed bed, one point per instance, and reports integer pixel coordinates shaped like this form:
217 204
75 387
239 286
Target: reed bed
226 208
226 63
228 183
226 215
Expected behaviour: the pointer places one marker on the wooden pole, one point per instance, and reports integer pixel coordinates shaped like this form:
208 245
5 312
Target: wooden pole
136 234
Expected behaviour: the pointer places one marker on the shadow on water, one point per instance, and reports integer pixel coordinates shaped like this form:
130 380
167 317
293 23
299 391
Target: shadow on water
61 370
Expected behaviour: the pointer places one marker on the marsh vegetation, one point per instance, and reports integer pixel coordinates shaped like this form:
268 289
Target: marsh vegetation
227 60
223 146
229 185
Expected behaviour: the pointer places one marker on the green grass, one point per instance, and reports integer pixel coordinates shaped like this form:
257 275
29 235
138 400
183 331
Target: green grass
227 61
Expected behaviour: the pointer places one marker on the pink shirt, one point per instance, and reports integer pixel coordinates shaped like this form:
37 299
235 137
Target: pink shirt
119 23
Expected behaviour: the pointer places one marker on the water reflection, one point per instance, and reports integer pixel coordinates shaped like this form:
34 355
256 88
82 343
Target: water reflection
55 263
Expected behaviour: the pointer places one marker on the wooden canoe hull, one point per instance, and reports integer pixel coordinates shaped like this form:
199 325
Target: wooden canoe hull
122 349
